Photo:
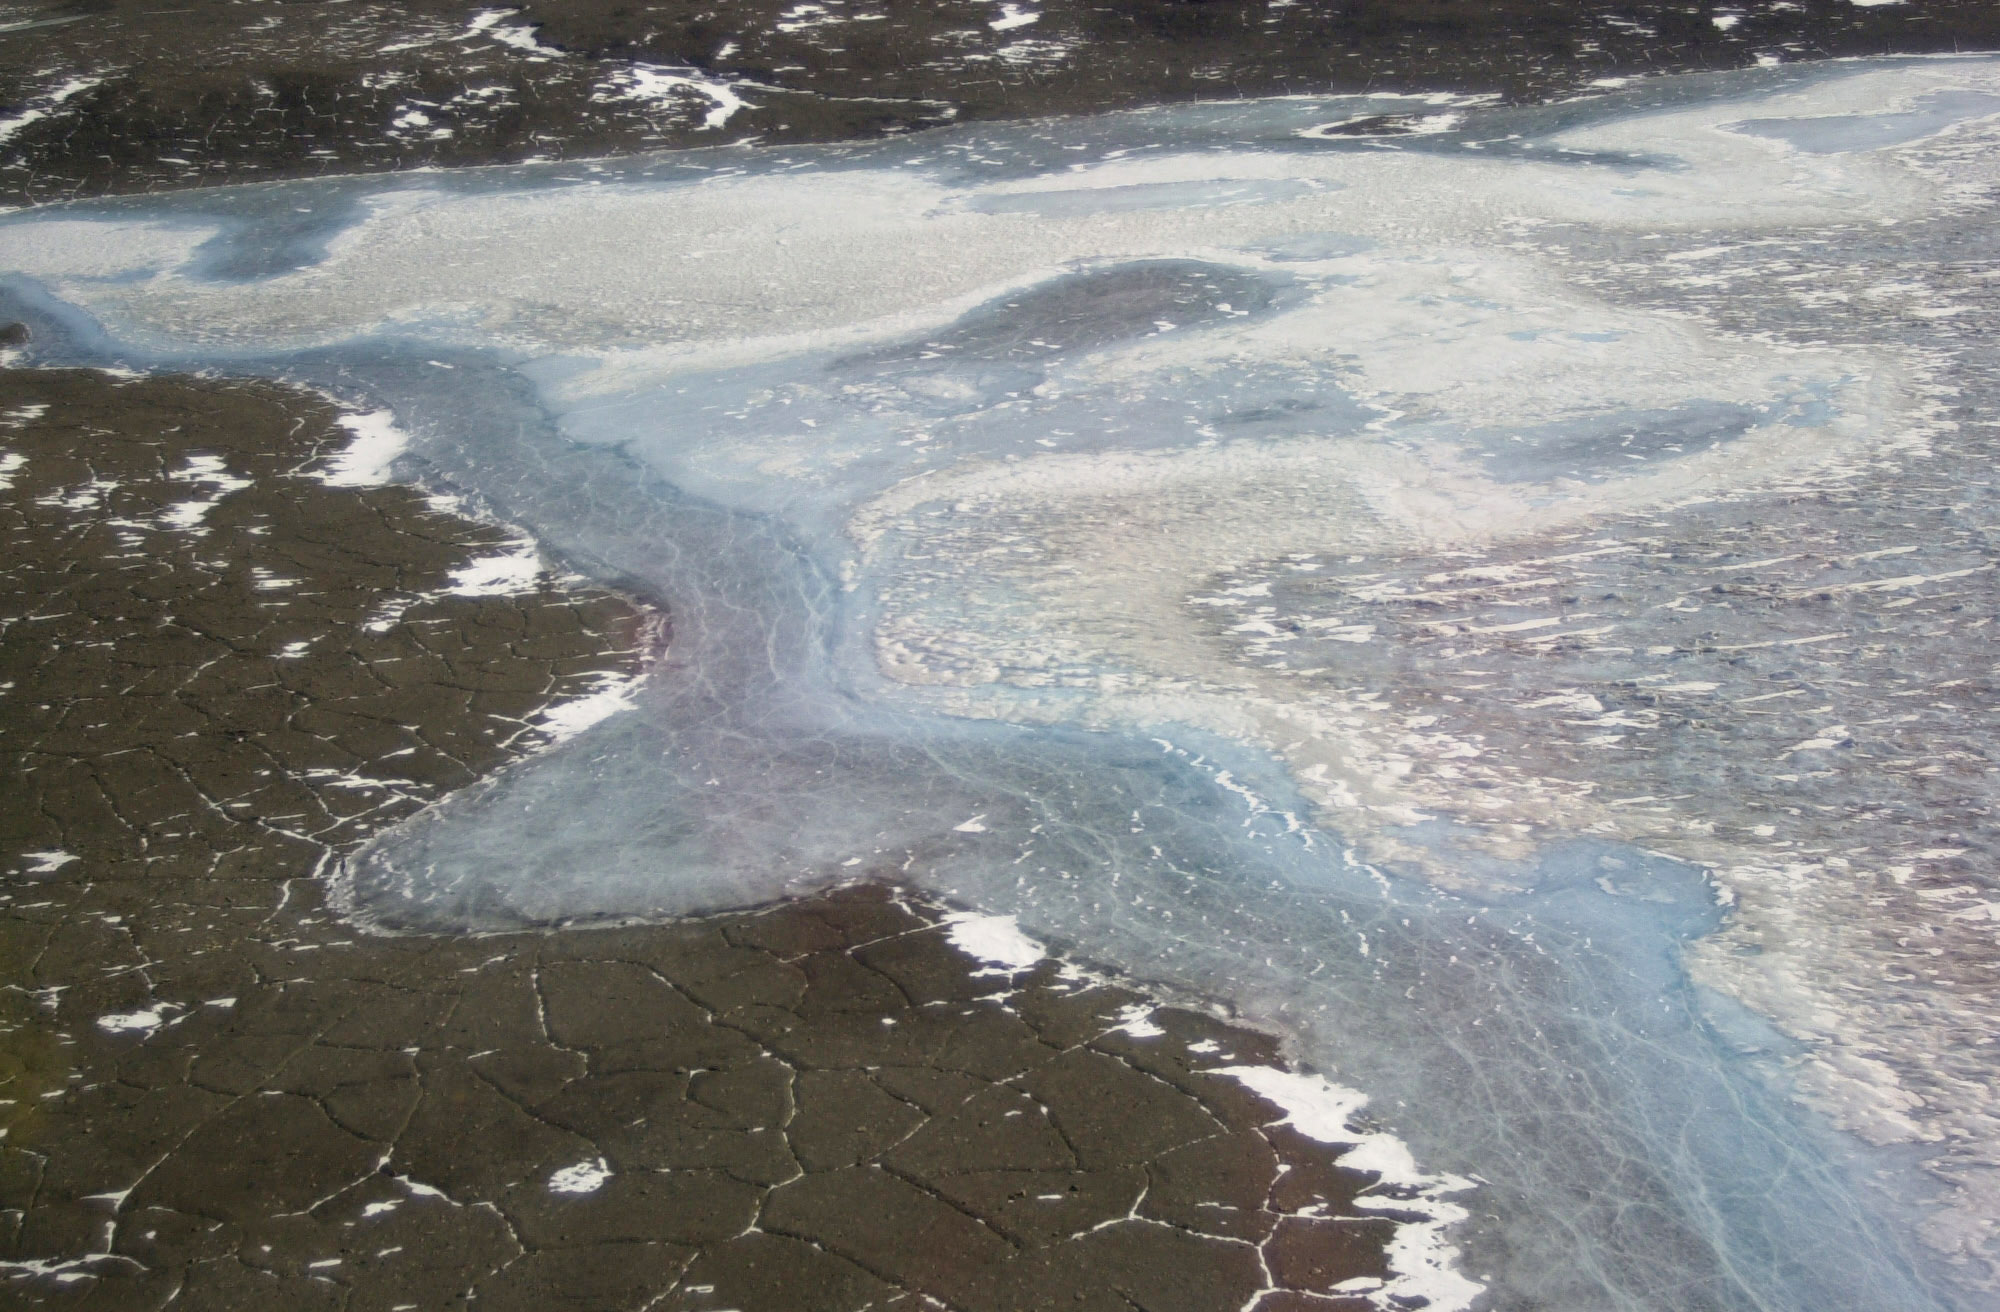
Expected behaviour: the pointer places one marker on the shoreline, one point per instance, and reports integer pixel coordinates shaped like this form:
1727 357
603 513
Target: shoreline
93 103
220 1093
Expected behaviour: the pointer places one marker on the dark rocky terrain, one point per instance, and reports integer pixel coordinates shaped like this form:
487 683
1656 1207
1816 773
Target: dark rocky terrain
112 96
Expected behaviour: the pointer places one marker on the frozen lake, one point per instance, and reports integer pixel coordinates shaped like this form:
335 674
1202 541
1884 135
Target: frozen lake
1499 595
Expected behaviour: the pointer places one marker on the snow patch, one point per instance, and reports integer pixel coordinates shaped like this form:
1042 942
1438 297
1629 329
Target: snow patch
506 574
1013 16
210 471
671 88
187 516
366 460
615 692
46 106
995 940
1136 1021
1424 1266
64 1271
583 1178
47 863
517 36
1314 1106
1046 53
127 1022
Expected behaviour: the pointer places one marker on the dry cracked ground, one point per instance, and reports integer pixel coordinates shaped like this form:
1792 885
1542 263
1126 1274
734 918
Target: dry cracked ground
217 673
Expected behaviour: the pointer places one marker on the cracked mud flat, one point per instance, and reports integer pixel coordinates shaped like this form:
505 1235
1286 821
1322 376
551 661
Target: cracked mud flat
119 96
214 1094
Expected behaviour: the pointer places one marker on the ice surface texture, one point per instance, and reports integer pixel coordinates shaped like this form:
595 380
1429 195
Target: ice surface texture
974 467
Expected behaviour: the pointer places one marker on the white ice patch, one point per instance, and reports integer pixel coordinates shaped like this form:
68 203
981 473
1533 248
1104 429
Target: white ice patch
413 119
582 1178
507 573
211 472
47 863
673 89
43 106
367 459
333 778
517 36
135 1022
186 516
11 463
63 1271
615 692
1313 1105
995 940
806 17
1013 16
1424 1265
1046 54
1136 1021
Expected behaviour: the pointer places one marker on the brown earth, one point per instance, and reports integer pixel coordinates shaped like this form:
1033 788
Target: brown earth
216 1095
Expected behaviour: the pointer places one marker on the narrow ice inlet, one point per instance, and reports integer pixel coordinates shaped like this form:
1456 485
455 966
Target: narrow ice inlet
1034 504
